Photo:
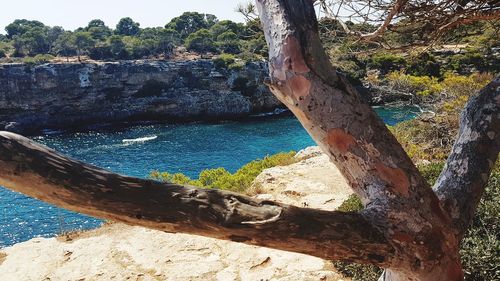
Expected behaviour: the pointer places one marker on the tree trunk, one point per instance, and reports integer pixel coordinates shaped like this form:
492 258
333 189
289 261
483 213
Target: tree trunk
406 227
397 199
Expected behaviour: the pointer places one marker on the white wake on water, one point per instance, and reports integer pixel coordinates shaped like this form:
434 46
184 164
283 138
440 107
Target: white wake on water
143 139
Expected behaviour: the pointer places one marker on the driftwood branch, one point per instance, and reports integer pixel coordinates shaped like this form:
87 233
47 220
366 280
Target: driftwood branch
42 173
462 181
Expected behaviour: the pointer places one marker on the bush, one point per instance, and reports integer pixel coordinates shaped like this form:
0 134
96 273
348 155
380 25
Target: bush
4 49
200 41
38 59
222 61
424 65
220 178
386 62
227 61
351 204
421 85
480 247
464 63
432 139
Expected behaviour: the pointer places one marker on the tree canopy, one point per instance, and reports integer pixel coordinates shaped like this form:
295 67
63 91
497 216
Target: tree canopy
197 32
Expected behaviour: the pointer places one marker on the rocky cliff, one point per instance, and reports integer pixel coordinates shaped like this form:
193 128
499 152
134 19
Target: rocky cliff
56 96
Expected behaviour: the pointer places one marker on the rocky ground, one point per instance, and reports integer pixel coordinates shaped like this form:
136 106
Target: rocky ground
121 252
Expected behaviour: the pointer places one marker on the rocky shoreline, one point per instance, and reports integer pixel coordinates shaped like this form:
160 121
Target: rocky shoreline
75 96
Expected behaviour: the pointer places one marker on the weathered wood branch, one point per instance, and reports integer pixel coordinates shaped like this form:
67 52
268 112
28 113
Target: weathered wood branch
44 174
462 181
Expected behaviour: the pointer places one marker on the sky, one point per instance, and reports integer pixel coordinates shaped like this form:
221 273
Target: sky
71 14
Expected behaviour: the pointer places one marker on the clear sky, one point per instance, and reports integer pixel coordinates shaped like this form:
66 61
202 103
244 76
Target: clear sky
71 14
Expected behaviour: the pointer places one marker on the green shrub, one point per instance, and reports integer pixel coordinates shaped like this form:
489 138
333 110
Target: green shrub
480 249
386 62
421 85
4 49
220 178
432 141
227 61
200 41
431 171
38 59
351 204
424 64
471 59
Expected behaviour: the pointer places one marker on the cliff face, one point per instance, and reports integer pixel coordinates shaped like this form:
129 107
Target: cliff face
62 95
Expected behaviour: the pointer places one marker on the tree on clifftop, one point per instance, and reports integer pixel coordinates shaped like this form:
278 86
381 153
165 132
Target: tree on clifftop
407 227
128 27
82 41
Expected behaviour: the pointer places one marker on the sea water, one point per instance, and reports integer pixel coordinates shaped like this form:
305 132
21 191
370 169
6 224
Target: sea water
138 150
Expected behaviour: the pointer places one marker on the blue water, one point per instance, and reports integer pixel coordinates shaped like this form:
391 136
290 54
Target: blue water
186 148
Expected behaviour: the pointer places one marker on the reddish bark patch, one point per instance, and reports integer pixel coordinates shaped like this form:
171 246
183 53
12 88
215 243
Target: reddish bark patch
395 177
402 237
300 86
455 272
437 210
294 59
339 140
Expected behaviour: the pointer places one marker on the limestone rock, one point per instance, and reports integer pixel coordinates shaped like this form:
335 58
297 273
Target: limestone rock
36 97
312 182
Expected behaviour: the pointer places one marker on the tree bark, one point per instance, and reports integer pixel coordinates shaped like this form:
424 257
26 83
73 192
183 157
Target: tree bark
462 181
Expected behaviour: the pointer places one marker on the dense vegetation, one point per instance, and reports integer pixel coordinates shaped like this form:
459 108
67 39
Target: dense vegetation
201 33
220 178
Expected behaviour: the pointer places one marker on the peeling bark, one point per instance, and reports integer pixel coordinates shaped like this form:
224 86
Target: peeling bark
42 173
462 181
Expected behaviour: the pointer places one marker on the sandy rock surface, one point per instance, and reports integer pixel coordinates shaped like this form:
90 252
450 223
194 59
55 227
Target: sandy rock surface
312 182
121 252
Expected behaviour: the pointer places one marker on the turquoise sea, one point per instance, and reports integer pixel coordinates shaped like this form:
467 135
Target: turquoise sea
187 148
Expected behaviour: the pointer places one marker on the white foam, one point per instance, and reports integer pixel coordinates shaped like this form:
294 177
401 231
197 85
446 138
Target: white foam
143 139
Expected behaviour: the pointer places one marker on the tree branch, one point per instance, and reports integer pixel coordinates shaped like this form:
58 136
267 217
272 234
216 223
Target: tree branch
462 181
394 11
44 174
463 19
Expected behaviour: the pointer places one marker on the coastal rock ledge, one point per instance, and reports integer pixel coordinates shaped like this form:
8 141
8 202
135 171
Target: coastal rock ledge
60 95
